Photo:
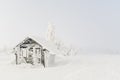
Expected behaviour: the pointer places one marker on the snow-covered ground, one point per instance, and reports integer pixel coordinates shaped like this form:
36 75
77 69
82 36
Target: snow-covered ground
82 67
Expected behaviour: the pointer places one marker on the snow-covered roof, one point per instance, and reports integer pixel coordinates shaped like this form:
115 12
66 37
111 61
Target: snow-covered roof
50 46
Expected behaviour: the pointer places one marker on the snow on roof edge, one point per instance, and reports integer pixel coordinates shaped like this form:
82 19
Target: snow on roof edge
47 45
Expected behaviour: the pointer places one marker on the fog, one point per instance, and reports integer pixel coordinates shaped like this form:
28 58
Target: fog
91 24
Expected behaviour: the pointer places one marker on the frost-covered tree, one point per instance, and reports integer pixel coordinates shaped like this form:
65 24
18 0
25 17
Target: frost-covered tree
50 32
61 46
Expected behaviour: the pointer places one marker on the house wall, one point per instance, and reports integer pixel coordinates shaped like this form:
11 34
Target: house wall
45 57
49 59
22 53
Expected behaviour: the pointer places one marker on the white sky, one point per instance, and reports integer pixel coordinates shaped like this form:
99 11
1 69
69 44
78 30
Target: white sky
84 23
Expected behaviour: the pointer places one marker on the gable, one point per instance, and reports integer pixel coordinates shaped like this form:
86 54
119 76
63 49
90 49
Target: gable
41 42
28 41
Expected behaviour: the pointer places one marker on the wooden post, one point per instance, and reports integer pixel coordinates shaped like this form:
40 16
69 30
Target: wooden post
16 58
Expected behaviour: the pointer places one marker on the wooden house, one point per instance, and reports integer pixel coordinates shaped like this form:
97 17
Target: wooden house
33 51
